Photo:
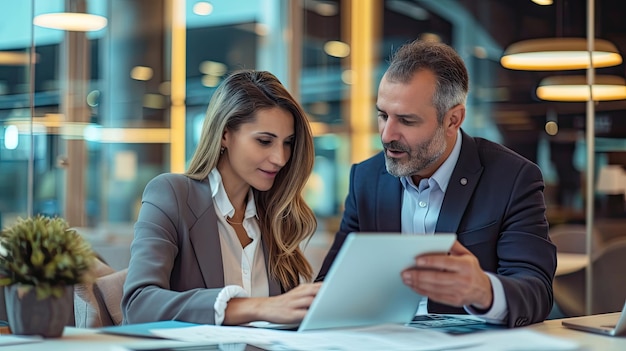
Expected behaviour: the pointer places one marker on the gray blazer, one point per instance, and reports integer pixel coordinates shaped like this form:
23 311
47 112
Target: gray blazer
175 270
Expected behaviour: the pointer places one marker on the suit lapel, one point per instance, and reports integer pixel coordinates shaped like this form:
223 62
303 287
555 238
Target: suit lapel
463 181
206 242
389 206
204 235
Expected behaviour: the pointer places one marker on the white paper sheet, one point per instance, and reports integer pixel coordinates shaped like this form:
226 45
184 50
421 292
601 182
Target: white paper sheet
519 340
16 339
382 337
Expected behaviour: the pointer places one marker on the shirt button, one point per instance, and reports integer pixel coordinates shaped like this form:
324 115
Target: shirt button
422 204
246 272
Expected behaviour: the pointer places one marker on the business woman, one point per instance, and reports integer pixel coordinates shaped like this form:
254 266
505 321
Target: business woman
220 244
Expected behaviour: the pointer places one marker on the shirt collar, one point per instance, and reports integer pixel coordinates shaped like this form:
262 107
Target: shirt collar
443 174
221 200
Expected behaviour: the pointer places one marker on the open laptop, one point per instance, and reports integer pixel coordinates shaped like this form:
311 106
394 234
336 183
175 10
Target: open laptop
613 324
453 323
363 286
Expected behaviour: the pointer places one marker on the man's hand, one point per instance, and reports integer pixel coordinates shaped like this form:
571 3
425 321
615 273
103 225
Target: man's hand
455 279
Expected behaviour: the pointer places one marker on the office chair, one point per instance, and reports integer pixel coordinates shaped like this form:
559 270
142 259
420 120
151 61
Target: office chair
572 238
609 282
108 291
97 304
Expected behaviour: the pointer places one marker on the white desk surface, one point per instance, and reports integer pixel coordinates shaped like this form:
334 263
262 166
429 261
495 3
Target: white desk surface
570 262
77 339
587 341
84 339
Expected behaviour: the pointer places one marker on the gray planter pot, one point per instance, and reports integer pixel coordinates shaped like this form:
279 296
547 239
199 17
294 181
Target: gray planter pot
29 316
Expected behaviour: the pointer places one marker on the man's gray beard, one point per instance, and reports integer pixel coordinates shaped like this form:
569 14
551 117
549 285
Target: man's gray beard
394 167
415 165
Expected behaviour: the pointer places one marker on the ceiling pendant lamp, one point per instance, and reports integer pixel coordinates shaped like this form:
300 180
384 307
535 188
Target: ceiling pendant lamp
575 88
550 54
71 21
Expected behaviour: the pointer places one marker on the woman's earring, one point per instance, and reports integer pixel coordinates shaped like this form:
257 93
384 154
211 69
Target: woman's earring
222 150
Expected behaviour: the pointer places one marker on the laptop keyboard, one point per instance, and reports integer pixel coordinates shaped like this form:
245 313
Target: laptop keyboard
440 321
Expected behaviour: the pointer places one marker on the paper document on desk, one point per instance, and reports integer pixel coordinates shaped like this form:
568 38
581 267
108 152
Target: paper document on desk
6 340
383 337
518 340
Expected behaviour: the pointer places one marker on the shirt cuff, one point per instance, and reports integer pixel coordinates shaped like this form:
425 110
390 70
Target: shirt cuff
222 299
499 310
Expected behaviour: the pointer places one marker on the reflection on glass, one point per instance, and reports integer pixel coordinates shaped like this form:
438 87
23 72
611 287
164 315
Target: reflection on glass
87 118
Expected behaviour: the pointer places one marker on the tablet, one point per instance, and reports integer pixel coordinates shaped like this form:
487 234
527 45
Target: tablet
363 286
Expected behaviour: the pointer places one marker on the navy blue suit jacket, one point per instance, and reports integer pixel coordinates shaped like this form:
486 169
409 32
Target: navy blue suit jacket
494 202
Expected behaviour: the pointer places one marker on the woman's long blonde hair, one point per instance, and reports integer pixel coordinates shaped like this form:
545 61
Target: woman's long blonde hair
284 218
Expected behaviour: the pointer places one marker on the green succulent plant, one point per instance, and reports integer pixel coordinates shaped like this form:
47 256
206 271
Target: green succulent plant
45 254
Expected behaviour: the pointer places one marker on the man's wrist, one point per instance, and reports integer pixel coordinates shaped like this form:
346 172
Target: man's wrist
485 306
480 310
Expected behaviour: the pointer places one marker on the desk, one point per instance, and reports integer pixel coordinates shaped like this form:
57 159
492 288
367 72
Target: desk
587 341
75 339
570 262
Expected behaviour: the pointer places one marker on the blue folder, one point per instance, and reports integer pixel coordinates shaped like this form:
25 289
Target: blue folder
143 329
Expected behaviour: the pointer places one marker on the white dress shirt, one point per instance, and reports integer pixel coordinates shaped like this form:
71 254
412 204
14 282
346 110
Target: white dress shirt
245 274
420 211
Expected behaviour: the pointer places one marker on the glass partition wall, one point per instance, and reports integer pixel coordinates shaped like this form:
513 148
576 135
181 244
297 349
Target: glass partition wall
89 115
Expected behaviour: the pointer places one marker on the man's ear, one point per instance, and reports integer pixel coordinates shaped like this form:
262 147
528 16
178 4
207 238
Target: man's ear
454 118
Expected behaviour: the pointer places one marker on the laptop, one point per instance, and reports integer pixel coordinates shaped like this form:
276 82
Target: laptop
453 323
363 286
613 324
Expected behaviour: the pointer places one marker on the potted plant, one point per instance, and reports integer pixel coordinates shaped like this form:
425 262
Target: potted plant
41 259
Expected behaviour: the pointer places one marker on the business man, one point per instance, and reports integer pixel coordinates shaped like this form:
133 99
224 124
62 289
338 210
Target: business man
431 177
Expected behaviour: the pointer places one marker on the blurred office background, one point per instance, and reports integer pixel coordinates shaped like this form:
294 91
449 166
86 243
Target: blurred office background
89 114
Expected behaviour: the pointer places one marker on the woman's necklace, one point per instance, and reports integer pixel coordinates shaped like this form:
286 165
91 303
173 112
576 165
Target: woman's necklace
233 222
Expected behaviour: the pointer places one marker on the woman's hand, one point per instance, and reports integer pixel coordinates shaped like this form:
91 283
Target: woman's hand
286 308
289 307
